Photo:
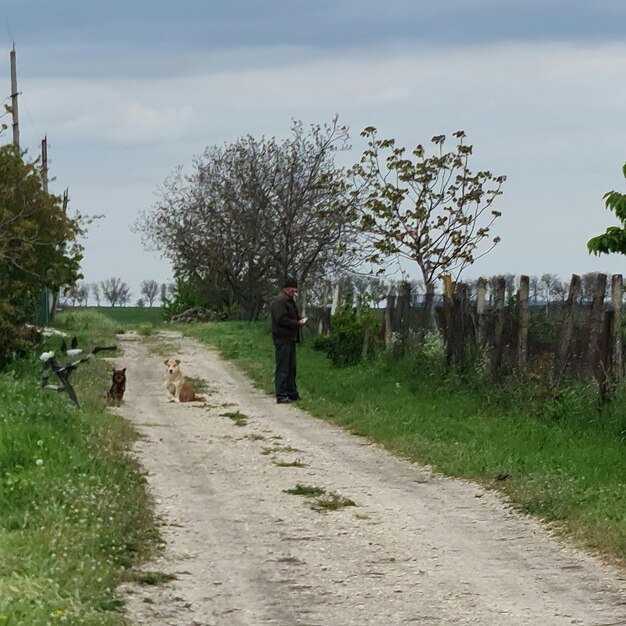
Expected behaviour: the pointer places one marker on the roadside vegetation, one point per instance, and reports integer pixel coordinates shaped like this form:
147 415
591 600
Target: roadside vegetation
75 517
559 458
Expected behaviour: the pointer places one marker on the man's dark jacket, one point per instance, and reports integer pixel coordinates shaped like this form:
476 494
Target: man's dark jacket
285 319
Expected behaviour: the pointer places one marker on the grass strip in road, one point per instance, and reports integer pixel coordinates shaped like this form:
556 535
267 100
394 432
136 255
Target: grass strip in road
75 517
565 466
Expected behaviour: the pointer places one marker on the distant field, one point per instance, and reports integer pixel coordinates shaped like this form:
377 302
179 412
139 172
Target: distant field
128 314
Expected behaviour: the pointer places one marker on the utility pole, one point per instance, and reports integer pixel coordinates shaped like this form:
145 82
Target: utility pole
44 163
14 94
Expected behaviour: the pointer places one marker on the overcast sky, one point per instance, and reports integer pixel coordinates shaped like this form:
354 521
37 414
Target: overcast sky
126 91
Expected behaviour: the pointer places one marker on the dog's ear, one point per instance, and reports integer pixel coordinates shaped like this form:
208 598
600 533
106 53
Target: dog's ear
177 361
124 371
166 361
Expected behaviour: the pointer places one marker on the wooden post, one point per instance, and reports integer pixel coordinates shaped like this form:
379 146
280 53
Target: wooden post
481 309
356 300
601 372
389 314
567 326
405 310
522 321
14 95
595 323
617 345
321 322
496 357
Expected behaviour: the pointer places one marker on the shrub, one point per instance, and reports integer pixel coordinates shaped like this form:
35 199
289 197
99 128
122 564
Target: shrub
350 331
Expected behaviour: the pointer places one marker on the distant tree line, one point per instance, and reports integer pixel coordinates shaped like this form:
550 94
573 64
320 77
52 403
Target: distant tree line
115 292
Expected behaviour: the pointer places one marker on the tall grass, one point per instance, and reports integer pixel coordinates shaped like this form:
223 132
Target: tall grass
561 458
74 513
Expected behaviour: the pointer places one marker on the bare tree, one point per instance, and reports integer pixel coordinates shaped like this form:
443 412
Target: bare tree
534 288
559 291
149 289
166 292
547 281
253 212
115 290
71 293
95 291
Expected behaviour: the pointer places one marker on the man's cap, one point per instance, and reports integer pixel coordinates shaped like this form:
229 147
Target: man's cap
290 283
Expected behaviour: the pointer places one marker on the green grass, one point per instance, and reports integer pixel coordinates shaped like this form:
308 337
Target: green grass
128 316
565 464
75 517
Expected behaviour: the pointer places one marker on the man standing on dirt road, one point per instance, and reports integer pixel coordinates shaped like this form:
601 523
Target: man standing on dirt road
286 323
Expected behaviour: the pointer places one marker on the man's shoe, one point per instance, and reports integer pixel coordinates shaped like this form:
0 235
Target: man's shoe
282 400
295 398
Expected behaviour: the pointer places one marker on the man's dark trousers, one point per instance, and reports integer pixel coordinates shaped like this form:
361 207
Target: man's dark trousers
285 373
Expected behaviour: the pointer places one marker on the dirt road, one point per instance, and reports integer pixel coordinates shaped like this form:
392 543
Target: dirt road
414 550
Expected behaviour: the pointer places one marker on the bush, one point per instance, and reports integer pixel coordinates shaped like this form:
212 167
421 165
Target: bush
190 294
350 331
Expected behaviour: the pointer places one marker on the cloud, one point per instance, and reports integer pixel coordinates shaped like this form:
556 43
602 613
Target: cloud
548 116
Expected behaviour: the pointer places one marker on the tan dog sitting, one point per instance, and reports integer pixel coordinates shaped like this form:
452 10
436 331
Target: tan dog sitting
178 389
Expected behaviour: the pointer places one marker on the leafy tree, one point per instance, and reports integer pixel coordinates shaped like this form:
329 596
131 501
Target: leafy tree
429 209
614 238
149 289
38 243
253 212
115 290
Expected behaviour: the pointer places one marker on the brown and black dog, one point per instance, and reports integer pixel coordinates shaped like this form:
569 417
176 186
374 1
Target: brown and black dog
118 386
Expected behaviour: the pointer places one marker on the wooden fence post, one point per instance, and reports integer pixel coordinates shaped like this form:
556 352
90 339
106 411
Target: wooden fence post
602 365
496 357
595 323
389 315
481 308
617 344
356 300
567 325
522 321
323 326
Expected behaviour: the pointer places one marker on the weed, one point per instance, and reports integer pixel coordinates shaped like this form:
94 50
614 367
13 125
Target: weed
331 502
151 578
240 419
200 385
305 490
276 448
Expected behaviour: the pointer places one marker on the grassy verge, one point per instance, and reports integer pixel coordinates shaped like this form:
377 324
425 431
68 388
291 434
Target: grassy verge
126 316
567 465
75 517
